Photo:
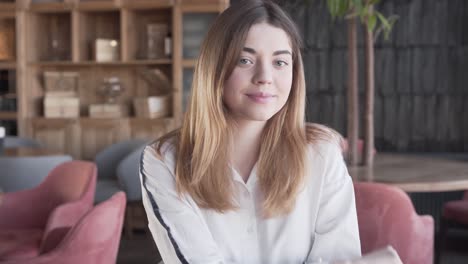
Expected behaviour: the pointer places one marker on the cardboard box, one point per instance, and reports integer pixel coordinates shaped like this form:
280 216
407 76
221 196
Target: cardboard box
106 50
152 107
108 110
61 107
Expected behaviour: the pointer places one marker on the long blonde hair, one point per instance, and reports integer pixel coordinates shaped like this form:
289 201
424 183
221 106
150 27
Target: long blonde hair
202 143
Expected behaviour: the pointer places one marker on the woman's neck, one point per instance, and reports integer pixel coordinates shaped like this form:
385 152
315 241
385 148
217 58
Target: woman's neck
246 146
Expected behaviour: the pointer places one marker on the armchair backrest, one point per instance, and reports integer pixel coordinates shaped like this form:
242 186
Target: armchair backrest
108 159
386 216
22 173
129 176
70 181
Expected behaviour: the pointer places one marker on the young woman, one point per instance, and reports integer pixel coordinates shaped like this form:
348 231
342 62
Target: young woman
244 180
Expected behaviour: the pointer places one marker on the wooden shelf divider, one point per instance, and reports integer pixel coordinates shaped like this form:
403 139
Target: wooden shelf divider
8 65
97 6
6 115
148 4
95 63
51 7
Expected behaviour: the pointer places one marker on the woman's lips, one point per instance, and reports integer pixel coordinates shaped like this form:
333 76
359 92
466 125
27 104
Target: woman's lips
260 97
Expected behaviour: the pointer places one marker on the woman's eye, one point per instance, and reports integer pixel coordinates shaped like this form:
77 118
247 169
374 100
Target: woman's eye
245 61
281 63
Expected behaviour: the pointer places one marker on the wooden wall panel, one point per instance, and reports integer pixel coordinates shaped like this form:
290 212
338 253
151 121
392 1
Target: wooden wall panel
61 135
96 134
421 73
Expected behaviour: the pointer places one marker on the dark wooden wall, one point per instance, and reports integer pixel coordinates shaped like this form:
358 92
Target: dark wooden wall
421 99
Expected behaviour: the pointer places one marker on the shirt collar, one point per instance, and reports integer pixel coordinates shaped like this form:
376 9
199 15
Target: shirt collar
251 181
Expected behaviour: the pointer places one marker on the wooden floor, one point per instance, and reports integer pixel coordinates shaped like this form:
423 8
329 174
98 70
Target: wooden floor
141 250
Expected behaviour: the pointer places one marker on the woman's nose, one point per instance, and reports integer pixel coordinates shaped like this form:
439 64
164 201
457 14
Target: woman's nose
263 74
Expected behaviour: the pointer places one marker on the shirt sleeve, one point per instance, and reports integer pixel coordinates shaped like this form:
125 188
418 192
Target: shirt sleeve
336 228
179 230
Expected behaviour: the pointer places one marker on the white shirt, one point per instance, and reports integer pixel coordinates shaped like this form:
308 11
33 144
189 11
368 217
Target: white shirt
322 226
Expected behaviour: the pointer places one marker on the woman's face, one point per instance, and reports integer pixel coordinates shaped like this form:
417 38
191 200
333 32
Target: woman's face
260 83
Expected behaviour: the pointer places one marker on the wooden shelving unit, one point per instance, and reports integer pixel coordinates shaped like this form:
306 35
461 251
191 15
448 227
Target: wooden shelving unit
8 66
59 36
103 64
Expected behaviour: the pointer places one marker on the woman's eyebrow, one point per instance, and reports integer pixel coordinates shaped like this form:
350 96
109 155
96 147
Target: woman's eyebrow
278 52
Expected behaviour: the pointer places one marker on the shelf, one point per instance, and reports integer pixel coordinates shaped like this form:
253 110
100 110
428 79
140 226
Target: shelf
94 63
50 33
141 119
7 65
5 115
158 22
148 4
60 36
8 7
9 96
149 62
203 8
7 14
52 7
91 119
40 119
93 25
189 63
97 6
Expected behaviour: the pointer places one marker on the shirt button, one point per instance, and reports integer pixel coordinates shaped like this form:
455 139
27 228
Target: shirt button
250 230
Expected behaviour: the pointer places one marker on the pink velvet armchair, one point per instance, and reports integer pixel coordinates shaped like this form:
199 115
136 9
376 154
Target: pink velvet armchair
94 239
454 214
386 216
34 221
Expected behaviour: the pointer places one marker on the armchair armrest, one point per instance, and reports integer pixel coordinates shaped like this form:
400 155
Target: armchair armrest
60 221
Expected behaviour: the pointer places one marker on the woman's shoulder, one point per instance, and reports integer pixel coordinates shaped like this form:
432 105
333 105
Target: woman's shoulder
160 151
323 137
161 147
323 140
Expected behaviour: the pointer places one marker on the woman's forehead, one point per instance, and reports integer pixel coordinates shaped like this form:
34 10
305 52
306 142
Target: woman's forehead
263 37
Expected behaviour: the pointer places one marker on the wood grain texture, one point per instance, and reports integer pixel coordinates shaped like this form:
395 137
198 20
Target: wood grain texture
414 173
